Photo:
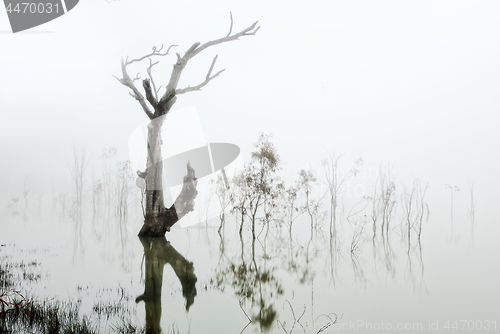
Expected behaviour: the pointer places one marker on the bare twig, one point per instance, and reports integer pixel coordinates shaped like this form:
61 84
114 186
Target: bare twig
231 26
151 64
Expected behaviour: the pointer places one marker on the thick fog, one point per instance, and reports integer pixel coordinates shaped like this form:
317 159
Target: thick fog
414 84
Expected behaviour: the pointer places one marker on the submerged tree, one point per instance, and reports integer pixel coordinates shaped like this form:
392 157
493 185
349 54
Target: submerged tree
158 218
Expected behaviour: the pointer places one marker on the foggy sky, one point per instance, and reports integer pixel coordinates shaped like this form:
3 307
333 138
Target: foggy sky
414 83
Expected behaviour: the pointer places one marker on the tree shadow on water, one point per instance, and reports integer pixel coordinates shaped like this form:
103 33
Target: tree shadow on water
158 252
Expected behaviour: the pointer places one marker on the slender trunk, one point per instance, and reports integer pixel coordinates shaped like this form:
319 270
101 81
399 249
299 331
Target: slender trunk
254 213
242 221
242 211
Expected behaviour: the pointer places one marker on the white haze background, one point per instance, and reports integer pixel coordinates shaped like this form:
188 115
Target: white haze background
414 84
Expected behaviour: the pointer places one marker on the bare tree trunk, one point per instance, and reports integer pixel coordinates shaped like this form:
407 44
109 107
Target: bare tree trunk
159 219
154 171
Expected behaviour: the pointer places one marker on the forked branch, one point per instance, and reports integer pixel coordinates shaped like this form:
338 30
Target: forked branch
163 105
208 78
126 80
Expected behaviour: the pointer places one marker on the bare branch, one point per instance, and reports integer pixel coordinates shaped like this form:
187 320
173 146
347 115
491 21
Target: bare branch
151 64
149 94
208 78
194 50
163 105
126 80
251 30
154 53
212 66
231 26
137 77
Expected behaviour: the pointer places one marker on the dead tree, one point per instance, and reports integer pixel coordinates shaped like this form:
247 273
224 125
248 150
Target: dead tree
158 218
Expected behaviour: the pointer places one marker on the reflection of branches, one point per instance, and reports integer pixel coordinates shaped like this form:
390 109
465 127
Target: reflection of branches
252 282
78 242
332 319
246 315
304 256
295 319
329 323
413 208
389 256
334 254
299 258
357 241
357 267
416 251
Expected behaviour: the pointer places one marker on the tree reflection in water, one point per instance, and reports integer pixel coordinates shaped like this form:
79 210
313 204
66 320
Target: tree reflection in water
253 282
158 252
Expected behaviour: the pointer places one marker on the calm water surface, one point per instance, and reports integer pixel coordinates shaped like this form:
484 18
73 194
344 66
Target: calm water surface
200 281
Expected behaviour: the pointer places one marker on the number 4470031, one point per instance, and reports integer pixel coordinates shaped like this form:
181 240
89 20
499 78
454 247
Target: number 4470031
32 7
471 325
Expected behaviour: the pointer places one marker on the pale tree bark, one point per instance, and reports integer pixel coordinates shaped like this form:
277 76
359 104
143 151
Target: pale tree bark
158 219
